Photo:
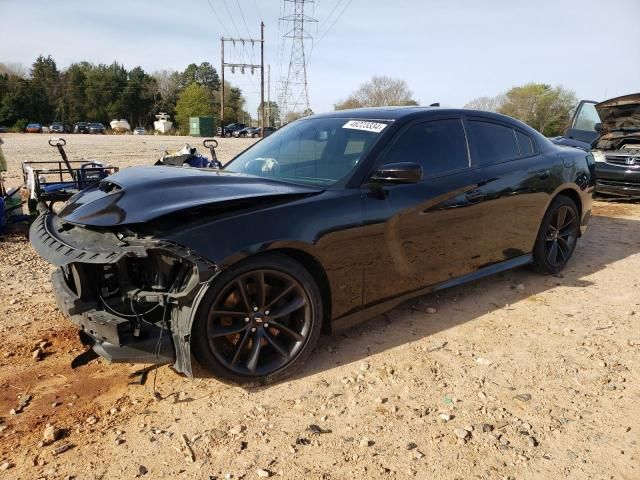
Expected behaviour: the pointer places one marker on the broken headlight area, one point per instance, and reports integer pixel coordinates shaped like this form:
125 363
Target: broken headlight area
137 309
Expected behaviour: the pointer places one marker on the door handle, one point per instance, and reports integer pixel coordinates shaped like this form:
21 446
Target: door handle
543 173
475 196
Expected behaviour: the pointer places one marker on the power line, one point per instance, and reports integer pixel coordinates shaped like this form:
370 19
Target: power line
258 9
231 18
219 19
243 19
335 21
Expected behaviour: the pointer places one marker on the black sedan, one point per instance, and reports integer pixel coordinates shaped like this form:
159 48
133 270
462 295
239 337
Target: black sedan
328 221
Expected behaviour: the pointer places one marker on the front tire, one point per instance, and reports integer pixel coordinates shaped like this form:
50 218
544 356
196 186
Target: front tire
259 321
557 237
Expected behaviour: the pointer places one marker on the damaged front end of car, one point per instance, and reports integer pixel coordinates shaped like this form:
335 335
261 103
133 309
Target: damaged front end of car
132 296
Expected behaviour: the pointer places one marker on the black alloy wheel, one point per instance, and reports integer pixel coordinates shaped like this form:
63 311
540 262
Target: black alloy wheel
562 234
260 322
558 236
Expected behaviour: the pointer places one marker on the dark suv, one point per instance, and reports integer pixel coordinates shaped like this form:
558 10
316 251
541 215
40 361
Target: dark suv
229 129
81 127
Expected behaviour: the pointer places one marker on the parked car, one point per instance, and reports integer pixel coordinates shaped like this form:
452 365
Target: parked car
96 128
56 127
245 132
267 131
253 132
81 127
328 221
3 129
612 129
33 128
139 131
229 129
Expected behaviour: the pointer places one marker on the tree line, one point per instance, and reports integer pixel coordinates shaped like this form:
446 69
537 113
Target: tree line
100 93
547 109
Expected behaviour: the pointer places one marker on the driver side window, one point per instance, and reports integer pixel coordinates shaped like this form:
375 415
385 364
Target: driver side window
439 146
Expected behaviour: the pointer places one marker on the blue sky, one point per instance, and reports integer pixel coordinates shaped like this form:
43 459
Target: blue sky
447 51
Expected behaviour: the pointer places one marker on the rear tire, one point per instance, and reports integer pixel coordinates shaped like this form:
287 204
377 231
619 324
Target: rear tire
259 321
557 237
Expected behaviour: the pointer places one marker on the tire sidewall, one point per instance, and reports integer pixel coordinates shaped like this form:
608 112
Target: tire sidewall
272 261
540 262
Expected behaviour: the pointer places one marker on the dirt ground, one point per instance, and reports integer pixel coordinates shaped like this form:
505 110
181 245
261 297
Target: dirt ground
539 375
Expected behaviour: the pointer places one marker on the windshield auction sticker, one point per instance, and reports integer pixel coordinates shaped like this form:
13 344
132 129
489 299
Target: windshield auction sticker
375 127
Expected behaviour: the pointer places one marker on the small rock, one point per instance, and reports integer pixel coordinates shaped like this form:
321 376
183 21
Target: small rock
262 473
142 470
364 367
51 434
237 430
37 354
520 287
92 420
532 441
381 400
486 427
317 429
6 466
418 454
56 404
523 397
365 442
62 448
483 361
462 434
437 346
119 441
113 411
445 417
431 310
411 446
631 313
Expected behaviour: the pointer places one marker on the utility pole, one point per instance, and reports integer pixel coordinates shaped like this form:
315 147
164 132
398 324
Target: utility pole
295 90
269 95
242 67
222 85
262 77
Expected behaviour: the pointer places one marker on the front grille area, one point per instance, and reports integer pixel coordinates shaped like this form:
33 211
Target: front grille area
623 161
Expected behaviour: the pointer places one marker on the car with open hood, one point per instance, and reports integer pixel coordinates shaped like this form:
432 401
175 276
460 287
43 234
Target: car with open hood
328 221
612 130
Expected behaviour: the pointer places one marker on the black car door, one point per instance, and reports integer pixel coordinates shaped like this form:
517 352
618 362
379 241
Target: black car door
423 233
514 182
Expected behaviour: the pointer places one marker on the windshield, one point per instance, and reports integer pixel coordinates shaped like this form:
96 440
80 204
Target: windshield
316 150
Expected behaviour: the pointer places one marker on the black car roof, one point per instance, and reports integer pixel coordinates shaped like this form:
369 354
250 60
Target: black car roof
412 112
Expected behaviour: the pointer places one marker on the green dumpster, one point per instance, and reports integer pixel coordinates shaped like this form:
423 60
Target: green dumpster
202 126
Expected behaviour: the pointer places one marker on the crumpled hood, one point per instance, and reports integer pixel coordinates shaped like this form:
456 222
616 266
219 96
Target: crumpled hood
140 194
620 112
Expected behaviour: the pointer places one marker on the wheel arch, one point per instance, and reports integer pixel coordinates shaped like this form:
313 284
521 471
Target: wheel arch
572 194
317 271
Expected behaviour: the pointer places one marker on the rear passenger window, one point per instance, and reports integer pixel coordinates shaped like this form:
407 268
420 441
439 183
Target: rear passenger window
525 144
439 146
493 142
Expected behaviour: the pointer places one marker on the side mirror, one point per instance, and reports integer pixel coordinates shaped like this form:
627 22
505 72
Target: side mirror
401 172
598 127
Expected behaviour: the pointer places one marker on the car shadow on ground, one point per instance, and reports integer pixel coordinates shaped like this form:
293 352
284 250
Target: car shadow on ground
608 240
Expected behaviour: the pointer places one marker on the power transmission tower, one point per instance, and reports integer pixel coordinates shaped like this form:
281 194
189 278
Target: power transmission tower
295 90
242 67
